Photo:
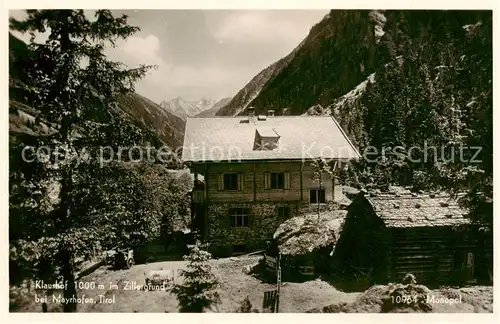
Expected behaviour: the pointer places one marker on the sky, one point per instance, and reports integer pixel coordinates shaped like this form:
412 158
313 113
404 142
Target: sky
205 53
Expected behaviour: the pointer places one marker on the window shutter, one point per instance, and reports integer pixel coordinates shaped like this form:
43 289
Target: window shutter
240 181
267 180
312 195
287 180
220 183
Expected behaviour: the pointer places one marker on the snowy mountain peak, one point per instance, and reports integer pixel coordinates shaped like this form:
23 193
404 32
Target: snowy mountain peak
184 108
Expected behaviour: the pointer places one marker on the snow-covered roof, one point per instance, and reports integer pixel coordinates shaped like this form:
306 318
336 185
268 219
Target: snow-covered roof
300 137
418 211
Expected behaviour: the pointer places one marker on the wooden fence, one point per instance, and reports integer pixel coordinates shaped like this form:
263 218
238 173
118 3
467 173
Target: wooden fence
272 297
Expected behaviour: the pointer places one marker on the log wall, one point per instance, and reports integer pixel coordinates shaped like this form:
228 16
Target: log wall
432 254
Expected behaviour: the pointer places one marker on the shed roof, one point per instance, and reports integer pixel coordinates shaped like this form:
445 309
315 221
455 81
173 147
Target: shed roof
421 211
301 137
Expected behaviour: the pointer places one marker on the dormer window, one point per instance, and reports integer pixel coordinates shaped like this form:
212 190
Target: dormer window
266 139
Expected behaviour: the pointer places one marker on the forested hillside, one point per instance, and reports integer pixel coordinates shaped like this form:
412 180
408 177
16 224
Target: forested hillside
432 97
399 78
160 126
432 63
339 52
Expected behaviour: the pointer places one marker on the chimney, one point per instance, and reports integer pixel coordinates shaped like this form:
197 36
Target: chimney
270 112
251 111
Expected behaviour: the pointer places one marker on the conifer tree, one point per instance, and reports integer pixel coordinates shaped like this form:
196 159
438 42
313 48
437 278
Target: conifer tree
198 291
435 91
75 88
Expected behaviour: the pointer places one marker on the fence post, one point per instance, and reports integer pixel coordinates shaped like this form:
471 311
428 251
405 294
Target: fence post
278 275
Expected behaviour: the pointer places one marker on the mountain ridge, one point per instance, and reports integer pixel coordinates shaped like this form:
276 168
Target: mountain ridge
212 111
339 53
251 90
163 127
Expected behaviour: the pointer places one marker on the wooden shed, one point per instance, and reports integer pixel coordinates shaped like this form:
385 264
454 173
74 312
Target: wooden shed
387 236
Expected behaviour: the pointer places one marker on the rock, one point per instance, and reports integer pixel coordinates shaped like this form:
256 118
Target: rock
302 234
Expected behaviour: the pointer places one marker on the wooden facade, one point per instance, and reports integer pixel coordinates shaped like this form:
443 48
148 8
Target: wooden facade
254 192
253 175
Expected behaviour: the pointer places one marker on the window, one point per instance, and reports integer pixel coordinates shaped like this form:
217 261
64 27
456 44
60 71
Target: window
268 144
277 180
283 212
470 260
317 195
230 181
266 139
239 217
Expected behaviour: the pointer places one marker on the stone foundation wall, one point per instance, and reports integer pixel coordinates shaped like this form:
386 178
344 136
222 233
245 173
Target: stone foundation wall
313 208
263 222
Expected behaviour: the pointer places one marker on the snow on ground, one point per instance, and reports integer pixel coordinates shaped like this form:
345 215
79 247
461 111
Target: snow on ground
241 109
351 95
342 101
473 299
